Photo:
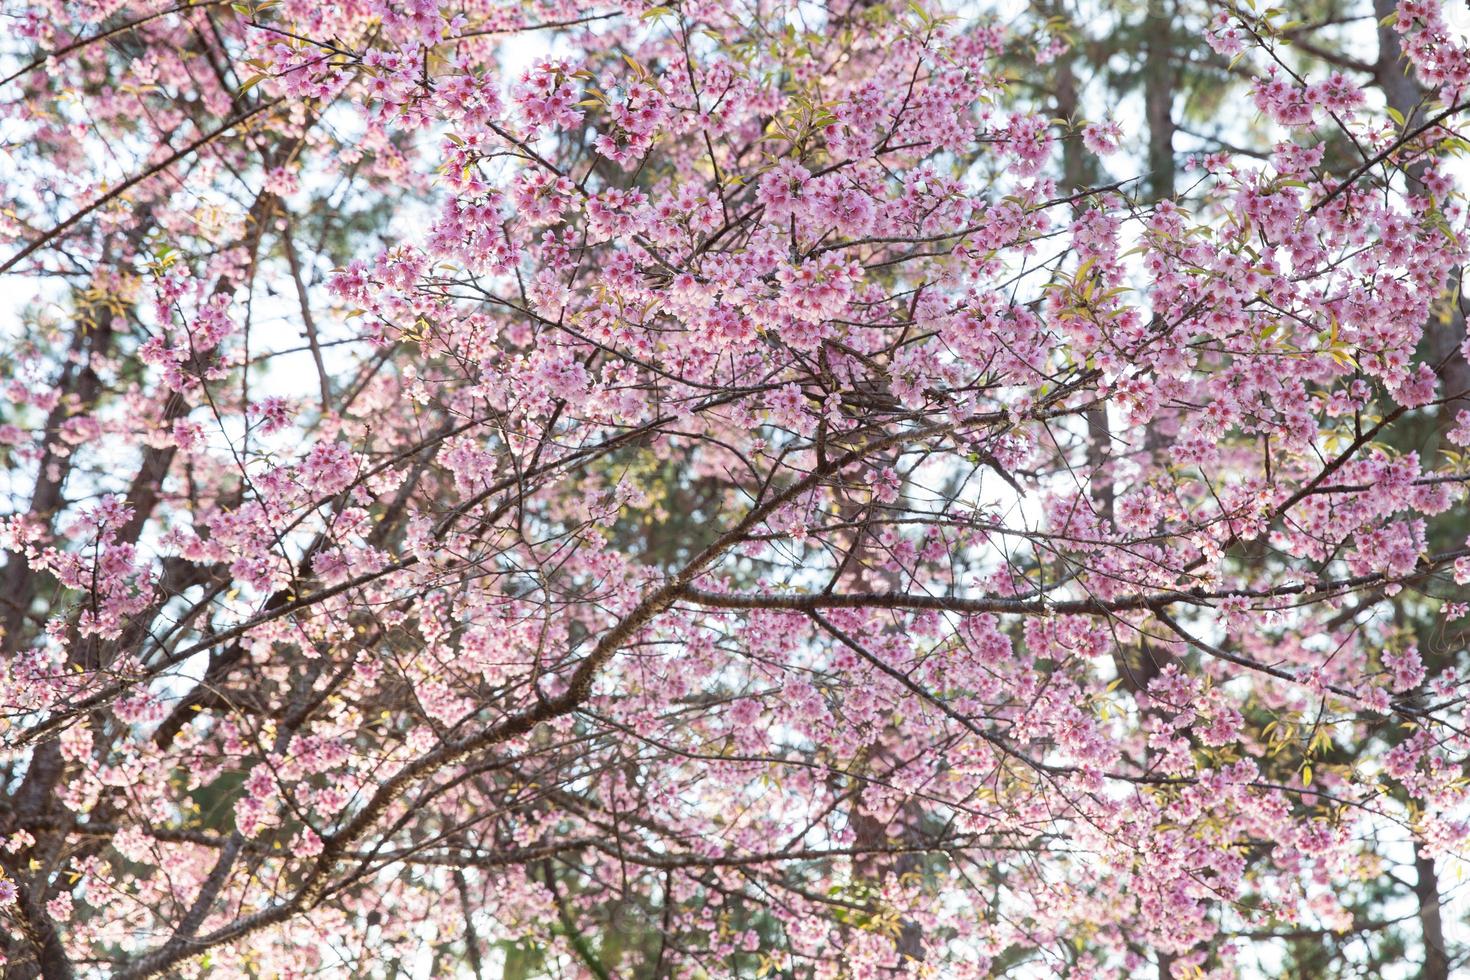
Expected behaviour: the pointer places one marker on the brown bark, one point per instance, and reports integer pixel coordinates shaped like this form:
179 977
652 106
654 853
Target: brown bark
1426 892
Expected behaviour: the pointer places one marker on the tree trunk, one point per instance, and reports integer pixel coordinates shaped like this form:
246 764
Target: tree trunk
1158 97
1426 890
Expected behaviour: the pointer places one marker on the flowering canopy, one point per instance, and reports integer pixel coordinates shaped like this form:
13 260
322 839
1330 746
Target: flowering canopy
693 490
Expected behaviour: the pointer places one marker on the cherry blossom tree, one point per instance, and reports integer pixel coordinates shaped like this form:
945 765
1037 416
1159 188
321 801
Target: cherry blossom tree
771 489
